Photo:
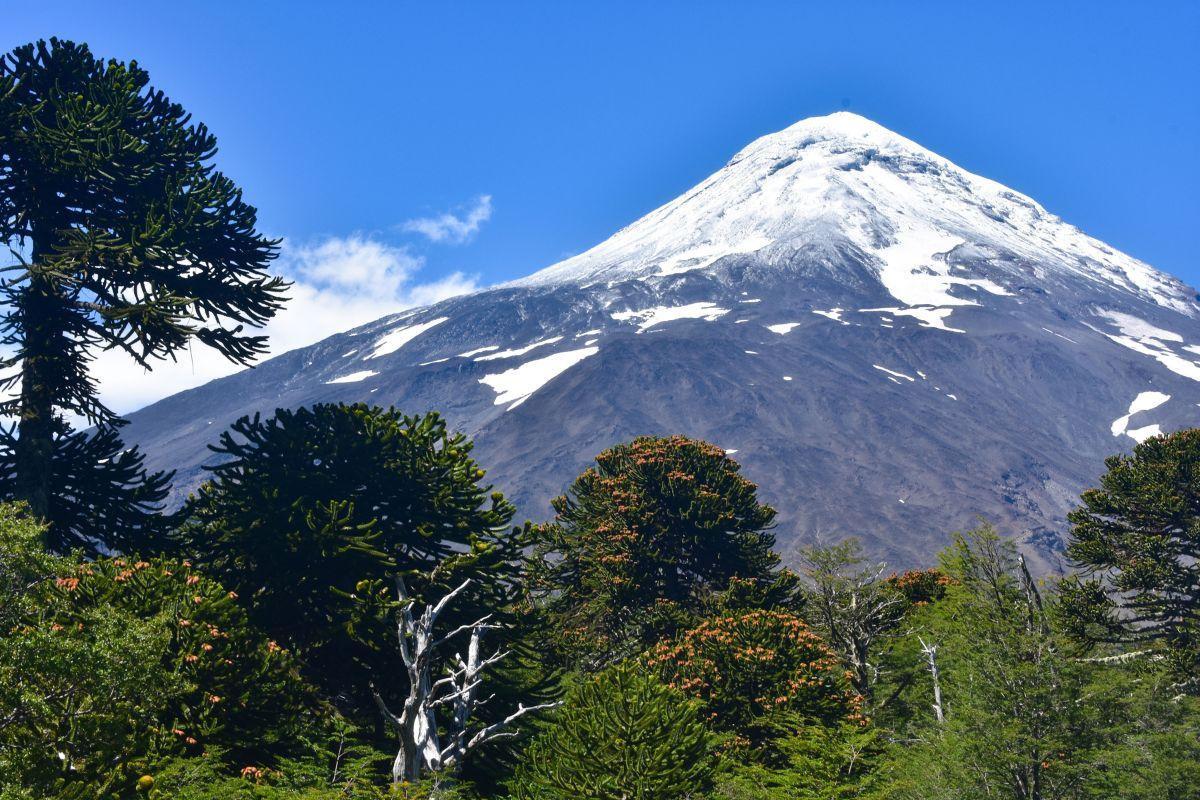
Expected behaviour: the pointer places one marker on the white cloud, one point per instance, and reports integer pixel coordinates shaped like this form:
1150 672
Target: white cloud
339 283
453 228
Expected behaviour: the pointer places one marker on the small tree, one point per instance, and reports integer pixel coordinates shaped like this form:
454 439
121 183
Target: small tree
109 666
856 608
126 238
435 682
621 735
1136 540
641 544
808 761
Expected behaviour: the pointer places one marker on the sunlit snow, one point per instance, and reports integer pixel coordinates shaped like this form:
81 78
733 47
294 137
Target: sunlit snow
833 314
783 327
707 254
649 317
517 384
928 317
893 372
1145 401
520 351
354 377
489 348
1142 337
842 181
396 339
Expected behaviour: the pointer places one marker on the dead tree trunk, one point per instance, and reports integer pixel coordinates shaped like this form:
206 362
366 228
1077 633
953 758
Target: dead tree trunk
419 747
930 651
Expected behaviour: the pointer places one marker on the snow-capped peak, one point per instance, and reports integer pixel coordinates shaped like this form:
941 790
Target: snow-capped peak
842 181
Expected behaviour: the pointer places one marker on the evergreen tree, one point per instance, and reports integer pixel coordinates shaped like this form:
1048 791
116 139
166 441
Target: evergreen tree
642 544
105 498
309 507
1136 540
748 668
808 762
858 610
622 735
126 238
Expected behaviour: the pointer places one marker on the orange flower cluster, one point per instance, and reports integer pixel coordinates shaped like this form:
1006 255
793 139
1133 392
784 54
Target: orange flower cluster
921 587
745 665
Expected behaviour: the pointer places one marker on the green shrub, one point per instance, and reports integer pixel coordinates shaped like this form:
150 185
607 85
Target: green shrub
621 735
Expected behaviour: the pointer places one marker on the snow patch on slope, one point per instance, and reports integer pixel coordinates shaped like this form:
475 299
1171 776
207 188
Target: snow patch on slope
487 349
396 339
928 317
1142 337
707 254
520 351
649 317
783 327
519 383
1145 401
354 377
893 372
834 314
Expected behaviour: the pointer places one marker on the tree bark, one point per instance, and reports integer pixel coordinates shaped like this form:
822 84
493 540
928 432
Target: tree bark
34 449
930 652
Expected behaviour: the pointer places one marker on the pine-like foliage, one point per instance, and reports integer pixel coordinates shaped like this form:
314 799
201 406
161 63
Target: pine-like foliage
747 668
1136 539
125 236
808 761
1020 720
105 498
309 507
642 543
622 735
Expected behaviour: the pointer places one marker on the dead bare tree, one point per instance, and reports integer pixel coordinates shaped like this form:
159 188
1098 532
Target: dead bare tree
420 747
852 606
930 651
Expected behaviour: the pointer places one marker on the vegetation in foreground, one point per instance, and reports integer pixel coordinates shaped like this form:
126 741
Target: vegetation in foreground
345 610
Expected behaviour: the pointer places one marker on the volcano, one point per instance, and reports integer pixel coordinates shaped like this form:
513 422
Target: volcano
890 345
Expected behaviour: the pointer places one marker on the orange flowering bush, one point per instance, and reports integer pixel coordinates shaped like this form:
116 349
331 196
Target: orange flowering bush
233 687
747 666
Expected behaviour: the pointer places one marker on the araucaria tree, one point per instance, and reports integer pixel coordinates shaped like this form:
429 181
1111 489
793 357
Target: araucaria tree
751 667
1136 540
306 504
125 237
621 735
641 544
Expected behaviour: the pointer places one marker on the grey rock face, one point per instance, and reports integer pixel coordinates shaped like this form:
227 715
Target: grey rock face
890 345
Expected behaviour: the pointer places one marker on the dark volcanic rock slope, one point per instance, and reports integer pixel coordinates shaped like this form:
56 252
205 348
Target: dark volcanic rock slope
889 344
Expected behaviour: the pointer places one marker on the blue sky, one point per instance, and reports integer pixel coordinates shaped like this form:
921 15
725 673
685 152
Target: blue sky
345 122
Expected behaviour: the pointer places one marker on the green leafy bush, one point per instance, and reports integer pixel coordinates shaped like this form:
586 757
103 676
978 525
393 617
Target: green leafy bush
621 735
116 664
